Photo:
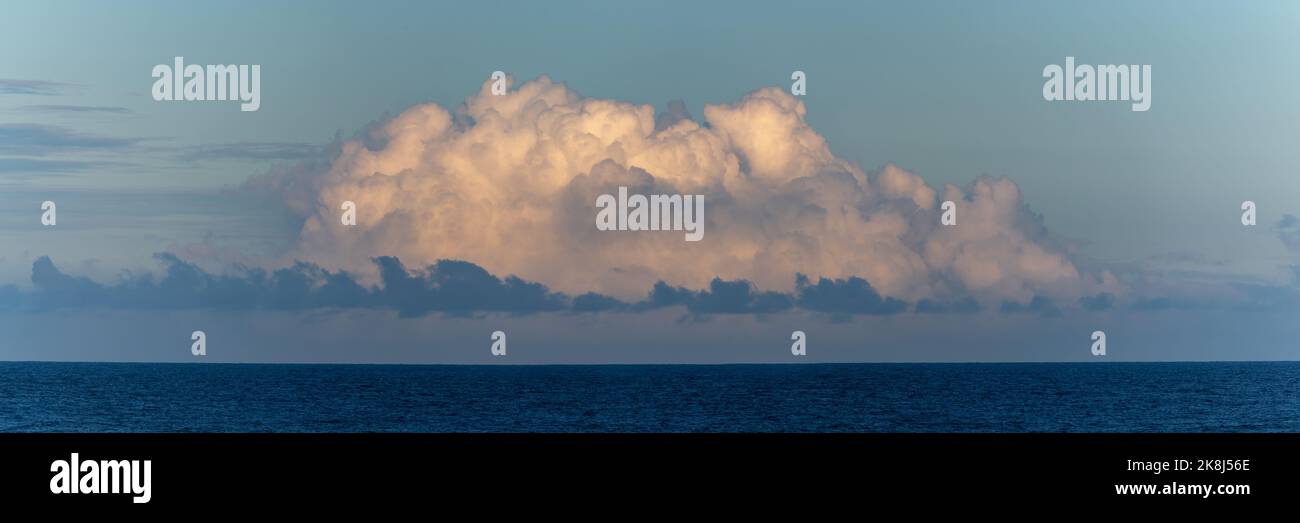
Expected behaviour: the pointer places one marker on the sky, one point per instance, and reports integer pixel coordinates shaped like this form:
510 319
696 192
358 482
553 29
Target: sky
475 212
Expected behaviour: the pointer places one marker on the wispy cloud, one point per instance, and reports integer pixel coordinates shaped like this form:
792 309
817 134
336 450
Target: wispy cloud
29 139
38 166
253 151
72 109
34 87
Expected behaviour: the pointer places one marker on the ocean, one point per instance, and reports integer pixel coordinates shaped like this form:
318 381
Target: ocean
975 397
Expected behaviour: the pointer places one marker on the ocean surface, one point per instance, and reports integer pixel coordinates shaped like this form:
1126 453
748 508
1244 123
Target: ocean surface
1047 397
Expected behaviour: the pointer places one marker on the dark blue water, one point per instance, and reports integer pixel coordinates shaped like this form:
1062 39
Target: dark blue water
1053 397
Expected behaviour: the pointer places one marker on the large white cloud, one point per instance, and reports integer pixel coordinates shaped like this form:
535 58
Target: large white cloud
510 183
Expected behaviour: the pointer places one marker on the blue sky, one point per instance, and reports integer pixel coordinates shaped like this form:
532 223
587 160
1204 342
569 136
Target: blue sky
948 91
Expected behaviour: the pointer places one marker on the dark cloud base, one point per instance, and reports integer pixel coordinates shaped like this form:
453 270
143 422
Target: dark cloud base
449 287
460 288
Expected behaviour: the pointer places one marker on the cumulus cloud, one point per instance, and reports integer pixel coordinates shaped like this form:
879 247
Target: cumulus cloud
510 183
737 297
458 287
853 295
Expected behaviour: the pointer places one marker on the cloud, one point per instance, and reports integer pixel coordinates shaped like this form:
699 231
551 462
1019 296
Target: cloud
676 112
35 87
1100 302
36 166
510 182
1041 305
76 109
29 139
848 296
253 151
593 302
664 295
448 286
183 285
737 297
460 288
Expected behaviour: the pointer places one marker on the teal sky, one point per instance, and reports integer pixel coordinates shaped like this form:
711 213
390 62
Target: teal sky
949 90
